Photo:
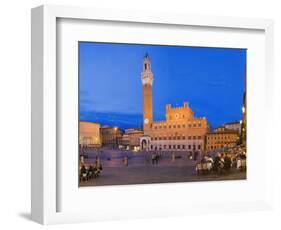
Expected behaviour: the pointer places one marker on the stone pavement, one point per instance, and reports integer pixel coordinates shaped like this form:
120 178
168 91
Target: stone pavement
141 171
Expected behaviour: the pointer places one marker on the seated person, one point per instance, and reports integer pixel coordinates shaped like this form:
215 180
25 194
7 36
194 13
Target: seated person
227 162
83 172
83 169
91 170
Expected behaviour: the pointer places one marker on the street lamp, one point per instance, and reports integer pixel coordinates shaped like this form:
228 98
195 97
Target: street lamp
243 109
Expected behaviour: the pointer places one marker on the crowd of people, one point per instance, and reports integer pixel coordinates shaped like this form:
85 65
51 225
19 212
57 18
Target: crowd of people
92 171
222 162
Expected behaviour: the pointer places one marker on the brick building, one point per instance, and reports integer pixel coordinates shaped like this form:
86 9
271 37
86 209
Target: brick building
221 138
131 139
181 131
110 136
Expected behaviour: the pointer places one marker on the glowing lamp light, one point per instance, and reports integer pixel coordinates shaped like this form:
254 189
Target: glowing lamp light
243 109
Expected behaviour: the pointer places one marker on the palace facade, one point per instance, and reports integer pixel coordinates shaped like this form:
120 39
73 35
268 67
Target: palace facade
181 131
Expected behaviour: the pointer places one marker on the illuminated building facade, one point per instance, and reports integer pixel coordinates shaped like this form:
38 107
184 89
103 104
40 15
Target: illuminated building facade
89 134
181 131
221 138
110 136
131 139
233 126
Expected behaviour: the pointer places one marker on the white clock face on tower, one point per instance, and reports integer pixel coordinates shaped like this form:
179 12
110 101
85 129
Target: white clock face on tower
146 121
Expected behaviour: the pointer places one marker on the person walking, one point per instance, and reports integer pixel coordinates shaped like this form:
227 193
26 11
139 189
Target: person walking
173 157
126 162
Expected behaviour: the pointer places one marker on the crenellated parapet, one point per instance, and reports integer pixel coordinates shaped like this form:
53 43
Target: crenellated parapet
183 112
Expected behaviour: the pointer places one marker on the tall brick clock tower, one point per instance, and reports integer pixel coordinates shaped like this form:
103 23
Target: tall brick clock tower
147 80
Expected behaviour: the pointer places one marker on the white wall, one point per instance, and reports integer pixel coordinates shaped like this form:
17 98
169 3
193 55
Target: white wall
15 109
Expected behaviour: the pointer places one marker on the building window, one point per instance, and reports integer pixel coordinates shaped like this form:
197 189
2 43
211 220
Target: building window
164 146
179 126
189 146
189 126
156 138
151 146
174 126
165 126
170 146
169 126
179 147
199 137
183 137
174 146
194 125
183 126
183 147
155 127
194 137
199 147
145 66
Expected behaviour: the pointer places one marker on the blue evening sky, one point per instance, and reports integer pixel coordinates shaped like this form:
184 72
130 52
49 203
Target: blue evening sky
212 80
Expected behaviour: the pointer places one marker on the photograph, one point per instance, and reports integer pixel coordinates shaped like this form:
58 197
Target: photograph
160 114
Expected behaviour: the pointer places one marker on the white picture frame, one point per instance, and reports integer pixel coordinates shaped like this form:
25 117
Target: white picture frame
45 167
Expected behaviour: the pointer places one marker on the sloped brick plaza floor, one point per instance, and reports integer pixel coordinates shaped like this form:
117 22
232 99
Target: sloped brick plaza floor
140 170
